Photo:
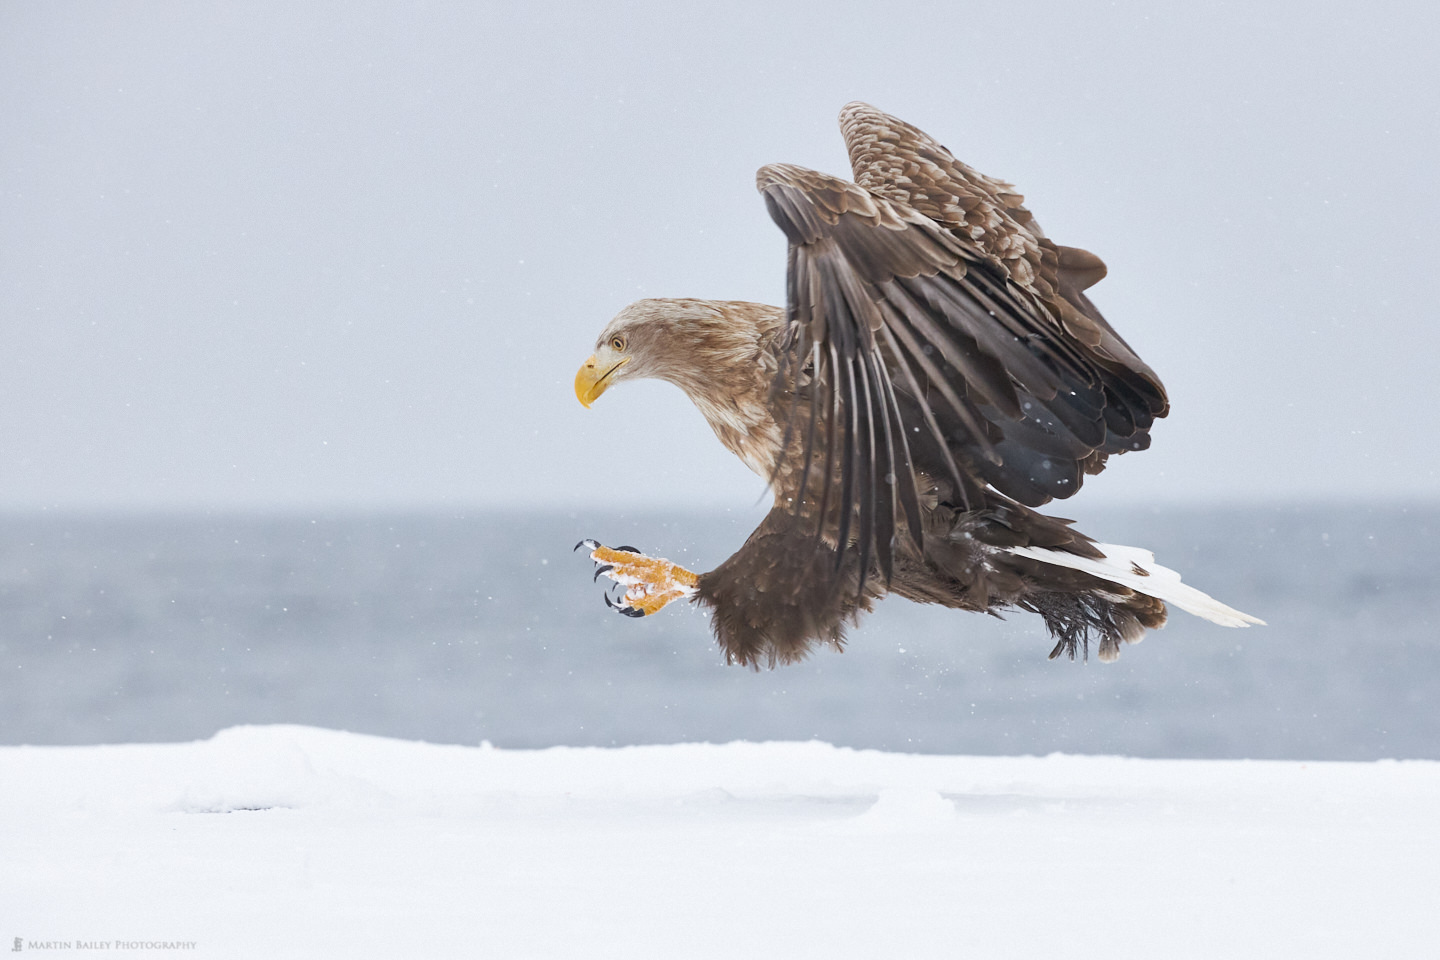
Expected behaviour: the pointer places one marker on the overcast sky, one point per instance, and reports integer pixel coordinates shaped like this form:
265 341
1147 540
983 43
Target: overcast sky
350 255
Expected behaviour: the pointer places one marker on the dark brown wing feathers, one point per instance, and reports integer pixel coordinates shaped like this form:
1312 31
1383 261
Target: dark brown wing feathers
932 331
1005 354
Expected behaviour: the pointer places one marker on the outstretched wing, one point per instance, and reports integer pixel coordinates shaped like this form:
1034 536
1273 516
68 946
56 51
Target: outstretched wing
901 163
940 331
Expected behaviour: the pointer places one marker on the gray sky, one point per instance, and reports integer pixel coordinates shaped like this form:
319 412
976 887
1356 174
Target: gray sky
350 255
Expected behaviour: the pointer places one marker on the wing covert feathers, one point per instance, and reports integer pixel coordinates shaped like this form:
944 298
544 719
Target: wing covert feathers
900 162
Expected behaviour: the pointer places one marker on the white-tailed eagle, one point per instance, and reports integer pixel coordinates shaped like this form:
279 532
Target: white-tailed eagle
937 372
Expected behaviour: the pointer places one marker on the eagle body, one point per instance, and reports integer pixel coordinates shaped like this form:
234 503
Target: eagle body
937 373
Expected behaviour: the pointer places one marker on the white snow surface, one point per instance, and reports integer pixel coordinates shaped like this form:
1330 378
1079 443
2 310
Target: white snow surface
285 841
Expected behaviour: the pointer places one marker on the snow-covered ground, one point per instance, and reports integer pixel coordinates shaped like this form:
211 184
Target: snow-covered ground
286 841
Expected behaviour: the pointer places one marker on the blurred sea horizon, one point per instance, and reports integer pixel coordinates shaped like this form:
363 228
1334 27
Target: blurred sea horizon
484 626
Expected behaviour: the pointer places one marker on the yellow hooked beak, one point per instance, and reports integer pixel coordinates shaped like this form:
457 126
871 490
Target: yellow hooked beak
591 381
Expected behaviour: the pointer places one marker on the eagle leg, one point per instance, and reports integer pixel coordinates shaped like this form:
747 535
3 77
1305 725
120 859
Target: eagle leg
650 582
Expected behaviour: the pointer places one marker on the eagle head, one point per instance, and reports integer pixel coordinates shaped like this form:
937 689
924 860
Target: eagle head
690 343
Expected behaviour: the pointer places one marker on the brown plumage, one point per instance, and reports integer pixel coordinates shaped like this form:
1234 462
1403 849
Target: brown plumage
937 372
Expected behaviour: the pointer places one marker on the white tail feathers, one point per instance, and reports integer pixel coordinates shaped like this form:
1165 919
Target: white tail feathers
1136 568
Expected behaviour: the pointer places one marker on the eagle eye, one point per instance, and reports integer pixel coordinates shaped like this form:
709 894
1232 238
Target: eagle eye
617 343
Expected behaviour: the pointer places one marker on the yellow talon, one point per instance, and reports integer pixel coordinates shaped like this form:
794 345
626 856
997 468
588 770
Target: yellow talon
650 602
651 582
638 568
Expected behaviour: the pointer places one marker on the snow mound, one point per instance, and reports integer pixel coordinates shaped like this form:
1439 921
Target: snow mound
287 841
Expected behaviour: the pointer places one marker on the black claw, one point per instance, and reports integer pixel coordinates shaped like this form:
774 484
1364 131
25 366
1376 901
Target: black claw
599 570
606 596
629 549
631 611
587 542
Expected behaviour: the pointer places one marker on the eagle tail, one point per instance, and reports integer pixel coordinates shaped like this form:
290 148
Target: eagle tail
1074 617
